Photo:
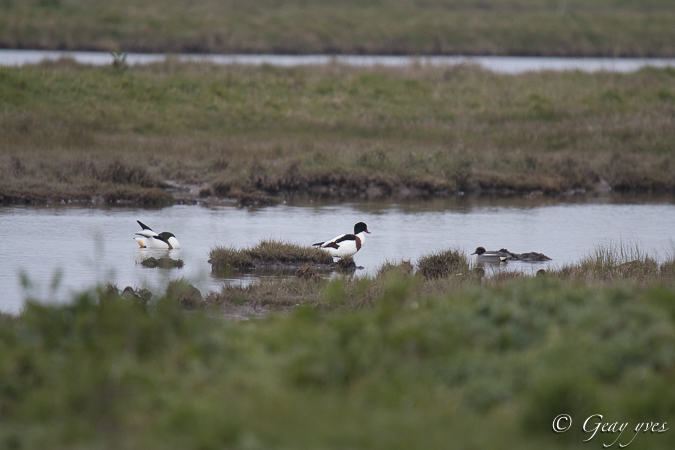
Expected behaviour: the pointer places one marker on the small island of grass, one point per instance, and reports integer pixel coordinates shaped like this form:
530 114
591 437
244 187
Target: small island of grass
268 254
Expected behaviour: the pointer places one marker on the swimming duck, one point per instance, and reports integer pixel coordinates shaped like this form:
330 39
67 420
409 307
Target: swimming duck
491 257
346 245
530 257
149 239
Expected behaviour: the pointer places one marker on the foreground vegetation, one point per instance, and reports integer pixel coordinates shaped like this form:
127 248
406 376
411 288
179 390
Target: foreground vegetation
504 27
171 131
396 361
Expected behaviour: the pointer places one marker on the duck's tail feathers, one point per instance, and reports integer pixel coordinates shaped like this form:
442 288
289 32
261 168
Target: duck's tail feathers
318 244
144 226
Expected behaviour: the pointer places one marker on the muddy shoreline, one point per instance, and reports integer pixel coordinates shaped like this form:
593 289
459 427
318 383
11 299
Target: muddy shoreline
190 194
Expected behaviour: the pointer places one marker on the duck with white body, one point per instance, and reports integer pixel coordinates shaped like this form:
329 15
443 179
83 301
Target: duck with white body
147 238
490 257
346 245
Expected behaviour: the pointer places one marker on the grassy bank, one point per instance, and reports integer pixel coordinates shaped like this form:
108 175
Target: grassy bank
153 134
492 27
397 361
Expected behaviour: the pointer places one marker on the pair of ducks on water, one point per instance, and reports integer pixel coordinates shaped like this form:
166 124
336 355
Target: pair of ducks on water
503 255
340 246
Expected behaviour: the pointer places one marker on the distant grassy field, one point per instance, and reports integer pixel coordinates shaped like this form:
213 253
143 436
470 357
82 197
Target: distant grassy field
493 27
78 132
397 361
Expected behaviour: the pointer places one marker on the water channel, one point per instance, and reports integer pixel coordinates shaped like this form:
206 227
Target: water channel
82 246
499 64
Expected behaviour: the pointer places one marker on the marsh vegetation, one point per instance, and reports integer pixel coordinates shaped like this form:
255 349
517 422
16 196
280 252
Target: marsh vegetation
425 354
490 27
172 132
439 273
394 361
268 253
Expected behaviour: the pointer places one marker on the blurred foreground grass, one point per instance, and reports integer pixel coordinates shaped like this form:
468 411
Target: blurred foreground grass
503 27
423 363
136 134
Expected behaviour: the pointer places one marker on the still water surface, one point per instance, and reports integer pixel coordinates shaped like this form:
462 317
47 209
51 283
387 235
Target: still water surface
86 246
499 64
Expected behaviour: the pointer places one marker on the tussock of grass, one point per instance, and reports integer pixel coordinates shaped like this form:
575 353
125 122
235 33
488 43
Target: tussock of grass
184 293
443 264
668 270
267 253
618 261
404 268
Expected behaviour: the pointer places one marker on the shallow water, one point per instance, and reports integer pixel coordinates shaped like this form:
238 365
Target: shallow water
499 64
84 246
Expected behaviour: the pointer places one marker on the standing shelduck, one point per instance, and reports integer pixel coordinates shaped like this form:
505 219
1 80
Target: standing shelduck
149 239
346 244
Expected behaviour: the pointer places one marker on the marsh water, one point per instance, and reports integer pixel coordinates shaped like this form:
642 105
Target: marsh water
499 64
50 252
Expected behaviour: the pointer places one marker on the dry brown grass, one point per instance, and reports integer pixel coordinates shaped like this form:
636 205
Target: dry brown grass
616 263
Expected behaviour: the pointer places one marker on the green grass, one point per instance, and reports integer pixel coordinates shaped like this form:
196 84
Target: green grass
421 364
110 135
504 27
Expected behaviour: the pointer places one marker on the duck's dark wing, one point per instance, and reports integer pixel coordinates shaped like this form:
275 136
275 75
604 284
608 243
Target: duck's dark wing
334 243
346 237
144 226
325 244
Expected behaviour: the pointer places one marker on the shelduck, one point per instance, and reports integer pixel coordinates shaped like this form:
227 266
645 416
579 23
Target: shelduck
346 245
147 238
